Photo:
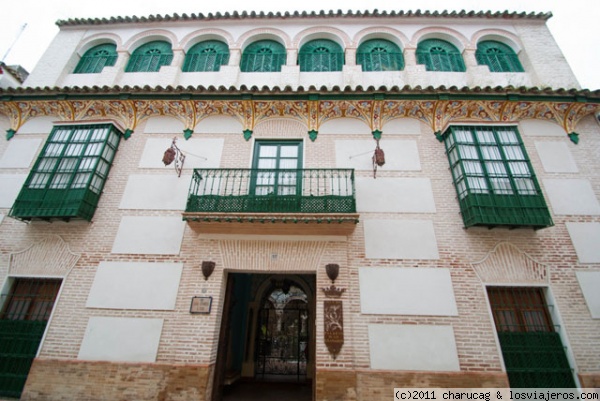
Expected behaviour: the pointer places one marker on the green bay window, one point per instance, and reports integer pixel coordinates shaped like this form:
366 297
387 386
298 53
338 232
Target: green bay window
439 55
69 175
498 57
321 55
263 56
209 55
494 180
95 59
379 55
150 57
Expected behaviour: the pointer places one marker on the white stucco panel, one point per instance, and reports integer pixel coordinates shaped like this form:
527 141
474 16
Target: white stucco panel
10 185
406 291
402 195
150 235
163 125
400 239
585 238
20 152
401 155
590 283
402 126
556 157
38 125
135 285
121 339
219 125
413 347
344 126
199 152
156 192
541 128
572 196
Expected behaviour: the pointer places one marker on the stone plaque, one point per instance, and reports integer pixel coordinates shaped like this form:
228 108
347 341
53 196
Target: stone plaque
334 326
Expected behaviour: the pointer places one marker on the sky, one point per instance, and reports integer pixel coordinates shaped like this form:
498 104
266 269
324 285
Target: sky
574 24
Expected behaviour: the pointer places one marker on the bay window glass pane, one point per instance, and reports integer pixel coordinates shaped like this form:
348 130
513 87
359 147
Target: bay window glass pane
491 153
67 165
513 153
39 180
507 136
289 151
464 136
46 164
268 151
60 135
60 181
525 186
485 137
477 185
519 168
468 152
80 180
74 149
54 149
93 149
501 186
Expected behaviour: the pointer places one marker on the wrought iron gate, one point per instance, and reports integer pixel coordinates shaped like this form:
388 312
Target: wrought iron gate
282 338
533 351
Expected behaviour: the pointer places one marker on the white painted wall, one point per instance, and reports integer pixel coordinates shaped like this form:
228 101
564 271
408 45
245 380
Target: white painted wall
400 155
20 152
556 157
396 195
406 291
156 192
413 347
152 235
571 196
199 153
541 128
400 239
10 186
119 339
37 125
135 285
589 281
586 240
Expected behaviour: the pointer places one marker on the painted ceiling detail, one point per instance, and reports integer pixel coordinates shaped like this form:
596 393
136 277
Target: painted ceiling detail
375 113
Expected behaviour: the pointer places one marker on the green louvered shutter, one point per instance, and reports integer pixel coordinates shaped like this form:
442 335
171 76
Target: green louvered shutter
263 56
379 55
498 57
150 57
439 55
321 55
206 56
96 58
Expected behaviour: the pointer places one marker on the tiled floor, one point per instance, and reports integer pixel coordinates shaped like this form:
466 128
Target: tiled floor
266 391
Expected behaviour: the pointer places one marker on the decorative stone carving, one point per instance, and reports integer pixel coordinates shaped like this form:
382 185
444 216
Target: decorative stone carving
49 257
508 264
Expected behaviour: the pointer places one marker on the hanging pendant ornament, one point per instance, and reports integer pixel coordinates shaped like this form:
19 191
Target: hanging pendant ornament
378 158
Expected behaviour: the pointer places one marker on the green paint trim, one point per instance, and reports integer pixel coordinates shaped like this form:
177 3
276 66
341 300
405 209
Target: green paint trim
187 133
377 134
10 133
439 136
312 134
574 137
127 133
247 134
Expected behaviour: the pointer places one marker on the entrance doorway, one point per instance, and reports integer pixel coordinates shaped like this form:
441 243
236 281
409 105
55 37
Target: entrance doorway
266 342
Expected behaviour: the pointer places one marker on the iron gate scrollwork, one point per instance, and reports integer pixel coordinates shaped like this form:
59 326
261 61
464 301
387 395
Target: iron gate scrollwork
282 338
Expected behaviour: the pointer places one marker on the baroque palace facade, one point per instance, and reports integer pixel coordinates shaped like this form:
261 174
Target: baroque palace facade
342 202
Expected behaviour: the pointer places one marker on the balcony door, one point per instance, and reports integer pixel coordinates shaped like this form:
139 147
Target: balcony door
276 168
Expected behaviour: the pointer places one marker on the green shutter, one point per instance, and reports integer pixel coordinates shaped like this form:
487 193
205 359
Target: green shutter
498 57
150 57
69 175
206 56
439 55
96 58
321 55
494 179
379 55
263 56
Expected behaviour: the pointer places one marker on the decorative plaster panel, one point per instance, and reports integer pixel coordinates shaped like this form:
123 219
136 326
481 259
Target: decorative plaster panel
156 192
38 125
121 339
49 257
589 283
199 153
20 152
219 125
135 285
401 155
345 126
403 126
508 264
400 239
586 240
149 235
406 291
556 157
540 128
572 196
10 185
413 347
163 125
395 195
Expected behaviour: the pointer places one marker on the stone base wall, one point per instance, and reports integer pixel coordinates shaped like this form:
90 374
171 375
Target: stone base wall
372 385
54 380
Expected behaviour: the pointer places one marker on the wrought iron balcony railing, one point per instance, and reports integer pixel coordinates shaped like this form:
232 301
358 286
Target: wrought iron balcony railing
312 191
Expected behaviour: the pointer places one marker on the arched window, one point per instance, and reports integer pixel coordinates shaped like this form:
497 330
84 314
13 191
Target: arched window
263 56
150 57
439 55
206 56
321 55
95 59
379 55
498 56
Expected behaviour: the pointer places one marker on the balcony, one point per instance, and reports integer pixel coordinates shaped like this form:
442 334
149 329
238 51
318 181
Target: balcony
245 201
